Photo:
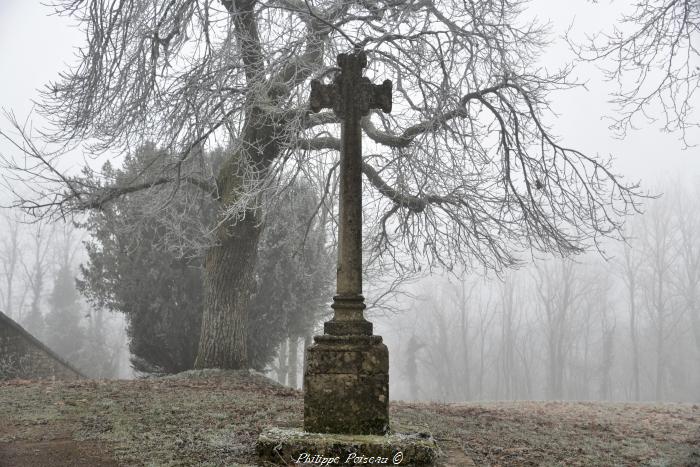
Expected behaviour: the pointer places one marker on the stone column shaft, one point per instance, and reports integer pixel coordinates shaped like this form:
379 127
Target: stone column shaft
349 271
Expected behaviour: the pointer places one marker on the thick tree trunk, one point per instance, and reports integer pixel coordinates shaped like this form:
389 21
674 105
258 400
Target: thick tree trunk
227 278
229 265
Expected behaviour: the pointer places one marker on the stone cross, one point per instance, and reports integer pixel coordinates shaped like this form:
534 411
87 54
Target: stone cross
346 371
351 96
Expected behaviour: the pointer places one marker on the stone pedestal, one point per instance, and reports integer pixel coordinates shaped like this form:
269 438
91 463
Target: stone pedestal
346 385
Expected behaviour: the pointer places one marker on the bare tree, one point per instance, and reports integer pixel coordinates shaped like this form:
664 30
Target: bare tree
440 356
36 275
487 314
413 346
464 171
687 275
658 241
600 311
654 56
510 317
629 269
528 355
463 298
282 363
11 257
559 293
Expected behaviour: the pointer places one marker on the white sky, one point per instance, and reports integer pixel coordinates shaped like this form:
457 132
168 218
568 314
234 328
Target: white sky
34 47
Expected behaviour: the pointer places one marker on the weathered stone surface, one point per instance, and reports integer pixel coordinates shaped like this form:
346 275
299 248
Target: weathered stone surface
24 356
285 446
346 374
348 318
349 355
346 385
337 327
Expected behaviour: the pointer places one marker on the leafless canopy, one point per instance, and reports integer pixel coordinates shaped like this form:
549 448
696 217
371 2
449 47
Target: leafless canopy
464 170
654 56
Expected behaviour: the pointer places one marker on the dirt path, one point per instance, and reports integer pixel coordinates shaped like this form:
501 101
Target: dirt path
43 444
453 453
55 453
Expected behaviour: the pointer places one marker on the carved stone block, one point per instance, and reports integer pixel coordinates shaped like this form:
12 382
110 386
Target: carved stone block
346 385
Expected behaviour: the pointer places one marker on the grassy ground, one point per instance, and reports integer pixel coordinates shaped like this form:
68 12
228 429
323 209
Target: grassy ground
213 418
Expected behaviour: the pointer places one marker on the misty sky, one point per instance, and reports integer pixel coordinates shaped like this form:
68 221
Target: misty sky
34 47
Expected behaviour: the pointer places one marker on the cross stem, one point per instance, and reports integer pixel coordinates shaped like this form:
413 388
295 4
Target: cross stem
351 96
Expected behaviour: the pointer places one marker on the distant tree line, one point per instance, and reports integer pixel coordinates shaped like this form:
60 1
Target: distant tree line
576 328
38 290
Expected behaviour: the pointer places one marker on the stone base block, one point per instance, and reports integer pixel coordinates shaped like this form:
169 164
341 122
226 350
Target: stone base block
346 385
288 446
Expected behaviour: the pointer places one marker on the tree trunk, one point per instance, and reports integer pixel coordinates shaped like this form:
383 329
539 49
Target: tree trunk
526 373
551 367
282 363
695 320
635 345
481 365
660 331
608 356
582 391
660 360
292 365
465 348
227 278
228 267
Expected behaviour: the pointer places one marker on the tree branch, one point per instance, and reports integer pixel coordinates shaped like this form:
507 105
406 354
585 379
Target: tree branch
107 194
409 134
411 202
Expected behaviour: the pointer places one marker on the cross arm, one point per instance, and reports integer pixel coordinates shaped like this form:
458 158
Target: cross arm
351 95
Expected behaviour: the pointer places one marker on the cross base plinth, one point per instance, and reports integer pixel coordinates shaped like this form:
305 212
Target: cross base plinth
289 446
346 385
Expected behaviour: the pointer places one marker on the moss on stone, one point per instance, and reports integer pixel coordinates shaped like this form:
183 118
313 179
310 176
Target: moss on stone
346 386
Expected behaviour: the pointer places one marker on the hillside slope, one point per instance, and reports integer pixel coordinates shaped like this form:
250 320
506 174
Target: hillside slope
214 417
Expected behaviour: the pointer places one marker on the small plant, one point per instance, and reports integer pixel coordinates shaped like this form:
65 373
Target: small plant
12 366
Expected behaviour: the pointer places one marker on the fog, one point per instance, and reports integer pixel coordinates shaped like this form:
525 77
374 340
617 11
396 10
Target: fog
582 328
620 323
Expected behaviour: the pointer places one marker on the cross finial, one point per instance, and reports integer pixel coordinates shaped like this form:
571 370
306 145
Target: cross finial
351 95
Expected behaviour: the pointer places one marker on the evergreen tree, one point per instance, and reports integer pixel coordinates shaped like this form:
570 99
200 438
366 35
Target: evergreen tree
293 275
131 270
136 267
64 334
98 358
35 275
